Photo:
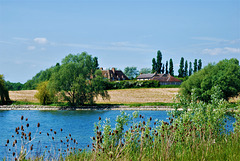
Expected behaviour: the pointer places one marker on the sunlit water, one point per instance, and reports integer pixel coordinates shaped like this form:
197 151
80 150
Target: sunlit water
80 124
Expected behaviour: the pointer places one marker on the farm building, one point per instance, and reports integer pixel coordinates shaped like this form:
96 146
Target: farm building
114 75
164 79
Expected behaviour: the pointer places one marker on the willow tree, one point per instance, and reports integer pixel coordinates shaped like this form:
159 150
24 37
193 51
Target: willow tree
4 96
78 80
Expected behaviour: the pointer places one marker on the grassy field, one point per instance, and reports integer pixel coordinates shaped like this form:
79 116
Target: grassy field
124 96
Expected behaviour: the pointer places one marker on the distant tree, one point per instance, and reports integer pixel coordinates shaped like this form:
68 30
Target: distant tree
166 67
186 69
76 82
44 95
13 86
4 96
145 71
163 68
154 65
195 66
131 72
190 69
199 64
171 71
225 75
159 61
181 68
95 63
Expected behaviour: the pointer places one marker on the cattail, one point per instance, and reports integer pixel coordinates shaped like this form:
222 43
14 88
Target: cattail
26 119
143 122
55 132
140 116
50 129
93 138
13 153
29 134
155 123
7 141
40 132
53 138
150 118
38 125
47 134
22 128
27 125
61 129
22 118
12 136
99 118
70 135
88 146
30 138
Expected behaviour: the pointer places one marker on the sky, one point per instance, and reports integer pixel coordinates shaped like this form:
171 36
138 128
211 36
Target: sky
37 34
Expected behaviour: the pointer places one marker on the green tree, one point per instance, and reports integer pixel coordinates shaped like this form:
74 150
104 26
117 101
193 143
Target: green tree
199 64
154 65
186 69
166 67
195 66
225 74
171 71
131 72
4 96
190 69
159 61
181 68
78 80
44 95
145 70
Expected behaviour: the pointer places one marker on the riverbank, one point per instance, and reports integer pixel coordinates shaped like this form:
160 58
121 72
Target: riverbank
103 107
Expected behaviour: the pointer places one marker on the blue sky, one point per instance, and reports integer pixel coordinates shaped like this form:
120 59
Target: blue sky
36 34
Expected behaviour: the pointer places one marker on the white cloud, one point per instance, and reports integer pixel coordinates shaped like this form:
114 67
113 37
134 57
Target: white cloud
220 51
40 40
31 48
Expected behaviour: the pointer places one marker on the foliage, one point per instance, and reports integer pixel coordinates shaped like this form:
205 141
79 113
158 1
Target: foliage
190 69
78 80
171 71
42 76
185 73
4 96
44 95
159 62
145 70
131 72
225 75
154 65
199 64
181 68
195 66
14 86
166 67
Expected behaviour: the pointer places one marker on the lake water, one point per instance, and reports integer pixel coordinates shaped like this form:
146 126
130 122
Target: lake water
80 124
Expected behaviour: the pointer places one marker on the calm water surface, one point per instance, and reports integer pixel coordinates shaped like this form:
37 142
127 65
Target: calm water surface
80 124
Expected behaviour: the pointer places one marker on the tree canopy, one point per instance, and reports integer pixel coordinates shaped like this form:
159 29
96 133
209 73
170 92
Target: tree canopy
225 74
4 96
131 72
78 80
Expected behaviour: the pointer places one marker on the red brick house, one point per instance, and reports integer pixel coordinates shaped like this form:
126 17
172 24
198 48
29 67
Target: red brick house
164 79
114 75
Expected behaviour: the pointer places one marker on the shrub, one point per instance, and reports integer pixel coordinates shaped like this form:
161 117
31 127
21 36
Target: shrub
4 96
43 95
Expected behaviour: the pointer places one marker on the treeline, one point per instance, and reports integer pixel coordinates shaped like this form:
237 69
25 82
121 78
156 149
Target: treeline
183 71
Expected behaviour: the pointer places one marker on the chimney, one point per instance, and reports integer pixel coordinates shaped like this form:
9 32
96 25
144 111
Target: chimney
113 69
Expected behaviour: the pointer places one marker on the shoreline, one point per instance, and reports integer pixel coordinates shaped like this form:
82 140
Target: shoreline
67 108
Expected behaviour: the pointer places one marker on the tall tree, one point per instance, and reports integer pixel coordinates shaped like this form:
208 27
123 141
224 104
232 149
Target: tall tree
190 69
195 66
199 64
145 70
131 72
4 96
181 68
154 65
186 69
159 61
166 67
171 71
75 81
163 68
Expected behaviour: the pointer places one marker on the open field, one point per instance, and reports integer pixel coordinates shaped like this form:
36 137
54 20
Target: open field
117 96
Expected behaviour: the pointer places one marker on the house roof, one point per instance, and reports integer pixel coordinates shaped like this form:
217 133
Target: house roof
116 74
146 76
165 78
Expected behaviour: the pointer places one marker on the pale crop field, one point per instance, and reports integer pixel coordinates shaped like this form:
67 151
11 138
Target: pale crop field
142 95
116 96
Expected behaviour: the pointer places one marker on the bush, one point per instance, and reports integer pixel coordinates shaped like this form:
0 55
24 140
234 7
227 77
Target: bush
43 95
4 96
225 75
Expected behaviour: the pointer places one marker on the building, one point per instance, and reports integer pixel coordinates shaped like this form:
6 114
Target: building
114 75
164 79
